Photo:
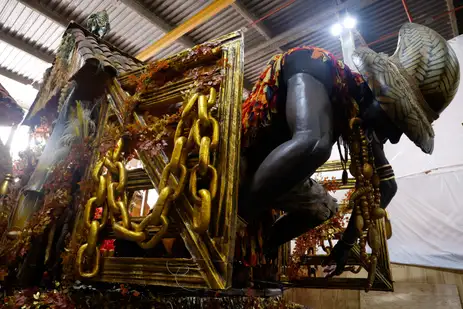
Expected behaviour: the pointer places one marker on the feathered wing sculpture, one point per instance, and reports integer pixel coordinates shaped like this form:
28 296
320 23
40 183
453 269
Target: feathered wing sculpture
6 164
54 150
72 125
79 127
76 129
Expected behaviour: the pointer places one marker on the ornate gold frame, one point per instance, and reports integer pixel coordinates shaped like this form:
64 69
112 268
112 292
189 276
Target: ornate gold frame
210 265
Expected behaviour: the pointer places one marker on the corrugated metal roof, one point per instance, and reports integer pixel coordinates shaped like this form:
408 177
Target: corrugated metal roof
385 17
226 21
289 16
175 12
32 26
253 68
21 93
22 63
132 32
129 31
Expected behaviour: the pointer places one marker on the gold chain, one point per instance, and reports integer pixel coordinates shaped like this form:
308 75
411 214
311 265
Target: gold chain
111 187
207 145
90 249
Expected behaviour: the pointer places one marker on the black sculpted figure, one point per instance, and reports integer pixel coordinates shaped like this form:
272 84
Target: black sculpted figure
297 112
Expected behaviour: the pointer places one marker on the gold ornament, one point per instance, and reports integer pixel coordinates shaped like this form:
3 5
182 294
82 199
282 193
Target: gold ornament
359 224
388 226
367 170
353 169
373 239
355 148
378 213
375 180
366 198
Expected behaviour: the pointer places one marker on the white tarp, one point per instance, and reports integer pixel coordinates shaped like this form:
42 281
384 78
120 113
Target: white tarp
427 220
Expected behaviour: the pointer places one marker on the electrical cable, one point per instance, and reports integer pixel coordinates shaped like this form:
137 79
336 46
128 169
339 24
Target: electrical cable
284 5
427 21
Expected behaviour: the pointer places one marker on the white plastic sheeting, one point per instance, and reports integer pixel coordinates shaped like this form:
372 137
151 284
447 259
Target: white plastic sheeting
427 212
427 220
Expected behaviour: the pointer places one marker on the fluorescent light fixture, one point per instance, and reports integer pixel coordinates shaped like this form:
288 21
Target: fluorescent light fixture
349 22
336 29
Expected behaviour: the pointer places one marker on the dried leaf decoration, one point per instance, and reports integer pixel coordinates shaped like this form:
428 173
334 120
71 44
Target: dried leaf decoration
58 186
308 242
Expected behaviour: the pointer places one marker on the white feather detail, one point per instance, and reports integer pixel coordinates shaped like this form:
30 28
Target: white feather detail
79 127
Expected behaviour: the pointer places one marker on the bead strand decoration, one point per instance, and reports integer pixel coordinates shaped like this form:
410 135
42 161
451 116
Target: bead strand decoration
365 201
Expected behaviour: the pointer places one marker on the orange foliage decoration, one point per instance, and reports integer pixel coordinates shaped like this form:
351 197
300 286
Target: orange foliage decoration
152 137
331 229
330 184
57 198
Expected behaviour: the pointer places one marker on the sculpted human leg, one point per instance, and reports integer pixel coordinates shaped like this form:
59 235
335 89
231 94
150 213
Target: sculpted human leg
310 118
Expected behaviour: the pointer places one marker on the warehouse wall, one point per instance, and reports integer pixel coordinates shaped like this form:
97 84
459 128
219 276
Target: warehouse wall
415 287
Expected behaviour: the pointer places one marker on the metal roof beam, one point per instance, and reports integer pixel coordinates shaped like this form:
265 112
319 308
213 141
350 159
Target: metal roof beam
19 78
156 20
19 42
44 10
250 17
196 20
164 26
309 26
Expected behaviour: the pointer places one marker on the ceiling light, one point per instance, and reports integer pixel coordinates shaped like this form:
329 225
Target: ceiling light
349 22
336 29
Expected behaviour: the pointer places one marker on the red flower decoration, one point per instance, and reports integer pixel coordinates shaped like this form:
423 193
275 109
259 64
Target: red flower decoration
98 213
108 244
124 290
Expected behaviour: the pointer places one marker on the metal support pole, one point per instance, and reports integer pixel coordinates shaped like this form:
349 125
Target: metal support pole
348 47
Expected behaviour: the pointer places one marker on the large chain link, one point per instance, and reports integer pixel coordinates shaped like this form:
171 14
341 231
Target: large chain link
89 253
112 197
206 137
116 197
185 139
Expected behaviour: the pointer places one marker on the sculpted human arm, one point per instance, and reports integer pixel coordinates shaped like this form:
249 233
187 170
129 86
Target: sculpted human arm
388 188
388 185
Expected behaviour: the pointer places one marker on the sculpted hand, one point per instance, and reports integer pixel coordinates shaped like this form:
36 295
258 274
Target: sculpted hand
339 255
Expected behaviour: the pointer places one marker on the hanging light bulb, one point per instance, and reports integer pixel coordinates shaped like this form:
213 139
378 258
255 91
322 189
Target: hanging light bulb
349 22
336 29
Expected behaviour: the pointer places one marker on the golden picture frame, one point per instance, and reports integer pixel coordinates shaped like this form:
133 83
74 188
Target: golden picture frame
211 254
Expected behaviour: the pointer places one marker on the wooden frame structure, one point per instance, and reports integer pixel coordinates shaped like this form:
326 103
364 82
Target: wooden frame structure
209 264
211 253
382 279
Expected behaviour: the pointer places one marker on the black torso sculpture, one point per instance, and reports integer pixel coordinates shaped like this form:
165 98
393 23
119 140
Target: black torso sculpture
297 112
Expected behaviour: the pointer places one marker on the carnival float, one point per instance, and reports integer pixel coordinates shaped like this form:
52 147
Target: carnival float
131 196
